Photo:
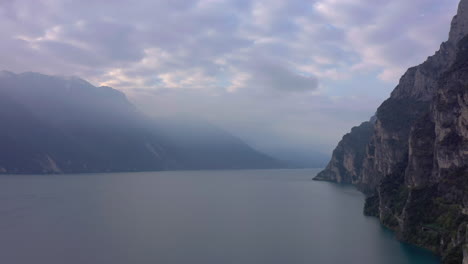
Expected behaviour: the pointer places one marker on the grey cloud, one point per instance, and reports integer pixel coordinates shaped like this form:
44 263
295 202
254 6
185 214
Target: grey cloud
281 58
300 117
202 31
271 75
114 41
70 53
391 35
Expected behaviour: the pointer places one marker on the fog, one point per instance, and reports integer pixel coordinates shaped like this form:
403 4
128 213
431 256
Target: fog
284 126
288 77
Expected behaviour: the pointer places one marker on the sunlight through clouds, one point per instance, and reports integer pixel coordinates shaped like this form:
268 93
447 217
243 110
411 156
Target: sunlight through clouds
257 53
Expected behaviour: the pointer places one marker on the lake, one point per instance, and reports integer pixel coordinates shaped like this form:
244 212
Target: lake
200 217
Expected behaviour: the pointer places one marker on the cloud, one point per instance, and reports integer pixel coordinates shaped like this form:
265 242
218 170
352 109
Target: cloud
275 58
276 75
390 35
322 36
297 119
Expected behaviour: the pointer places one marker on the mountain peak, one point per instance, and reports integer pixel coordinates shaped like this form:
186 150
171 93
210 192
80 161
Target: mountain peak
414 166
6 74
459 28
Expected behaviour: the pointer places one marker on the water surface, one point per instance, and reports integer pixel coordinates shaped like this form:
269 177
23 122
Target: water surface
217 217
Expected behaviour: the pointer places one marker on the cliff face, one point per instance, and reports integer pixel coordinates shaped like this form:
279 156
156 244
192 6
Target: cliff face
348 157
415 167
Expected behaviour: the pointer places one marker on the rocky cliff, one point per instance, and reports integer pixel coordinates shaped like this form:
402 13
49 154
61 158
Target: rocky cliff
348 157
415 166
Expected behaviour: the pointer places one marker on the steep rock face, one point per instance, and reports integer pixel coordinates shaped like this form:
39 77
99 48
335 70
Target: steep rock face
408 102
436 176
450 112
388 147
421 153
346 163
415 170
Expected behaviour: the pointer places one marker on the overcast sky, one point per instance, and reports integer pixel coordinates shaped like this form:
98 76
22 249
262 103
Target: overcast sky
276 73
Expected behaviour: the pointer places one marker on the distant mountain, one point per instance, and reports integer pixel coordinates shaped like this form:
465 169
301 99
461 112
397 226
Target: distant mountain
66 125
203 146
298 157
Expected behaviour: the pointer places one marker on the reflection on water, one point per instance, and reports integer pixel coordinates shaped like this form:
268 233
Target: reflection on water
245 217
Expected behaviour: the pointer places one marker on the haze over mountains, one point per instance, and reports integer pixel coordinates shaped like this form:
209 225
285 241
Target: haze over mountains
66 125
277 82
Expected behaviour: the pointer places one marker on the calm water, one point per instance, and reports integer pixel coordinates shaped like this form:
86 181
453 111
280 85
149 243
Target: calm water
229 217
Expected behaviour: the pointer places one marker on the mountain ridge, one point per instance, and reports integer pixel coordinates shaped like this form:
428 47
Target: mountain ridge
415 167
66 125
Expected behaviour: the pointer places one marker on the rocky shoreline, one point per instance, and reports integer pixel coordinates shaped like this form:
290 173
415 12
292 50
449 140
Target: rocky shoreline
411 159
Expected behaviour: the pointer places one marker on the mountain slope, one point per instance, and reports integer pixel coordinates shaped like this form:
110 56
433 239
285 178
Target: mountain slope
203 146
66 125
415 170
347 158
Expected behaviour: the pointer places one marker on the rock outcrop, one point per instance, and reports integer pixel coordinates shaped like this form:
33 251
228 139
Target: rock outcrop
348 157
415 166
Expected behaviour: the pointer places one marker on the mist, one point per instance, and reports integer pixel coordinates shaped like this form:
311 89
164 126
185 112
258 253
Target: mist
277 74
281 125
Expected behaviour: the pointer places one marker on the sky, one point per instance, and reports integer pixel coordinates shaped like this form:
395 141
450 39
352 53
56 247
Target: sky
280 74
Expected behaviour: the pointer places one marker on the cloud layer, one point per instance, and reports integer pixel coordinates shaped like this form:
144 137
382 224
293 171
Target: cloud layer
296 67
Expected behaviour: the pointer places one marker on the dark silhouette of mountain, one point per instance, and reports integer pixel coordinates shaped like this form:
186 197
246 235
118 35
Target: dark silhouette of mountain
413 161
66 125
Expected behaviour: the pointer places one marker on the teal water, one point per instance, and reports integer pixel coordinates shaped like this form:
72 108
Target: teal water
217 217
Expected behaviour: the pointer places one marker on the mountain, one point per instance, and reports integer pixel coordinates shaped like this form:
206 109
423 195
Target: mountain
412 162
204 146
348 156
297 156
55 124
300 157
